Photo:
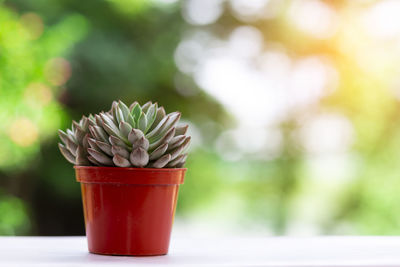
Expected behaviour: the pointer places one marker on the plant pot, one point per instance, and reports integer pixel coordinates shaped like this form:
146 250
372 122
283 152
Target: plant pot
129 211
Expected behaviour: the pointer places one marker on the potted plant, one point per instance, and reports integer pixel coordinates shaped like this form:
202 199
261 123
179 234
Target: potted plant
129 162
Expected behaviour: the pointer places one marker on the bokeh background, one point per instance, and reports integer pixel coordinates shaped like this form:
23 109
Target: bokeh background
293 107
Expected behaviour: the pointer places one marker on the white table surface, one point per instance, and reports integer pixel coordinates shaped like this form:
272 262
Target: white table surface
224 251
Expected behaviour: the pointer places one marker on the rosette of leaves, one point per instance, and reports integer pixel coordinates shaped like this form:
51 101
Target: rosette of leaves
138 136
75 141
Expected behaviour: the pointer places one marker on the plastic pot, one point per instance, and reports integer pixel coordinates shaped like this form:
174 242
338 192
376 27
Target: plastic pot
129 211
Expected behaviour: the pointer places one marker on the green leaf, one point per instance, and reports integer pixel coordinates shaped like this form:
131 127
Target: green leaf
146 106
119 114
106 120
132 106
124 109
165 139
156 131
131 121
110 130
136 111
175 153
125 128
159 116
114 110
151 116
165 127
142 122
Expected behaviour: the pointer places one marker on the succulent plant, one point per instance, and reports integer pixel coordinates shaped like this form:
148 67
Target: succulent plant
138 136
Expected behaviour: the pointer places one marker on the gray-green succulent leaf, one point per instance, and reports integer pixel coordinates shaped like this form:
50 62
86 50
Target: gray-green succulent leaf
121 151
120 161
139 157
161 162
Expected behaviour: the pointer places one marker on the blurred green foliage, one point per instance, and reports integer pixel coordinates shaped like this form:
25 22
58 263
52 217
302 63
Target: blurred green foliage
14 219
61 59
30 76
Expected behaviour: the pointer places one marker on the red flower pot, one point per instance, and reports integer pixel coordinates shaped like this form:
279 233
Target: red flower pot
129 211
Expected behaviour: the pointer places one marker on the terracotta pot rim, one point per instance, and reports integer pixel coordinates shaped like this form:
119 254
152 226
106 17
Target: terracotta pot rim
130 169
129 176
